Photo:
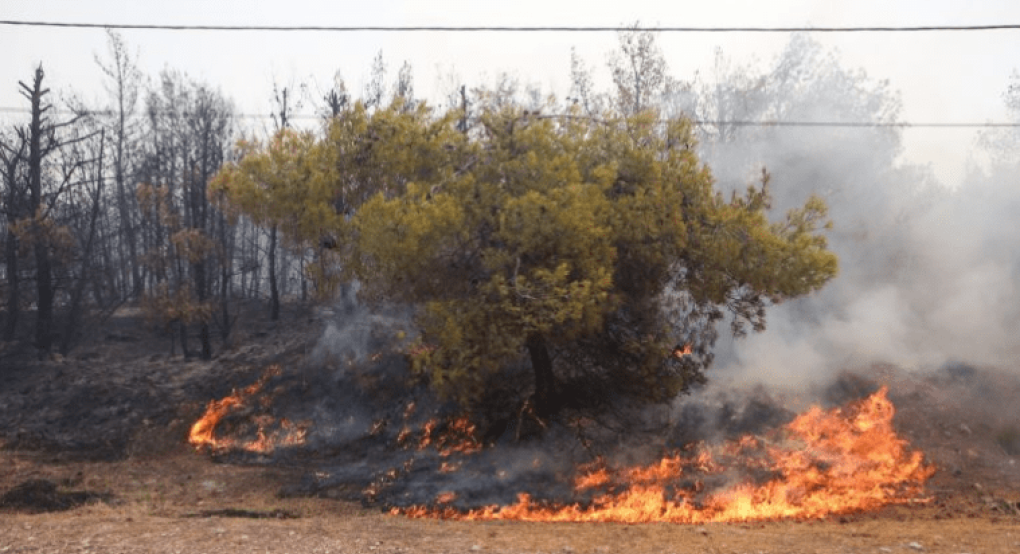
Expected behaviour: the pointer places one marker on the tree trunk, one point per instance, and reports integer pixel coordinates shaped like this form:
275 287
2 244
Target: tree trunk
182 328
126 225
74 314
226 272
242 256
126 228
203 324
13 287
11 158
43 278
256 282
124 85
301 272
274 292
44 289
281 267
544 400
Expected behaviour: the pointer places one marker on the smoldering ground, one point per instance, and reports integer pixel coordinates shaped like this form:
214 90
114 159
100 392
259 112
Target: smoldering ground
381 437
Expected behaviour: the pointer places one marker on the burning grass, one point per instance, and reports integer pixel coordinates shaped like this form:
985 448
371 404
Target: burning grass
822 463
269 432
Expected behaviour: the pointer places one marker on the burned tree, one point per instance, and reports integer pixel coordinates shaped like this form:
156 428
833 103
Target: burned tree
49 169
82 217
124 87
37 151
47 183
12 154
639 72
191 126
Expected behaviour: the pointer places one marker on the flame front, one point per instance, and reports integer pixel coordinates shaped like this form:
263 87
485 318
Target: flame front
822 463
270 433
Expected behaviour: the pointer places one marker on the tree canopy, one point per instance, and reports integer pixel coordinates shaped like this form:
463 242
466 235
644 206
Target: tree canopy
595 248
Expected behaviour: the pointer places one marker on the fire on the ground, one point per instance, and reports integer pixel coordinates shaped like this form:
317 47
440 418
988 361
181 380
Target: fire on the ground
822 463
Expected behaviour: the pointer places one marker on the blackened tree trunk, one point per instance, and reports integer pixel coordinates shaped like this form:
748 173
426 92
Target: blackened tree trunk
124 84
12 157
43 280
199 208
126 215
544 401
274 292
226 272
282 119
13 287
182 329
301 272
74 315
203 325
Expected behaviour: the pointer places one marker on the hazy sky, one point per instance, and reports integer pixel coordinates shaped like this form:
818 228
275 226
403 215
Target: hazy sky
943 77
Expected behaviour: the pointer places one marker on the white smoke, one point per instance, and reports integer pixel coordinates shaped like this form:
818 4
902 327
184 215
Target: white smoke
354 332
927 275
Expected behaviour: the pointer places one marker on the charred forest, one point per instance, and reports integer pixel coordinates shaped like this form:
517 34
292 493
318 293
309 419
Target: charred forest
105 206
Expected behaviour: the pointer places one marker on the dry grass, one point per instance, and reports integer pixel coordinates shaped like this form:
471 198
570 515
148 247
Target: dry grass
134 529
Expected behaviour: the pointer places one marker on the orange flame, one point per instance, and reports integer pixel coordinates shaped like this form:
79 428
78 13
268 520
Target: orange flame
680 352
203 432
446 497
457 437
824 463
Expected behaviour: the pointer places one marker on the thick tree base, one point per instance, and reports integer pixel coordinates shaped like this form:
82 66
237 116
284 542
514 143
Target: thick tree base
546 400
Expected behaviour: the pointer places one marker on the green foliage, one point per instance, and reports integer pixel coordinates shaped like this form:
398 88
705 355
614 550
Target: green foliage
602 238
261 185
573 230
309 188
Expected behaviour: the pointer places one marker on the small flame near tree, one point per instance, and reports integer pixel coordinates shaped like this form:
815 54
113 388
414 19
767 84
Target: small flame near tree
270 433
681 351
822 463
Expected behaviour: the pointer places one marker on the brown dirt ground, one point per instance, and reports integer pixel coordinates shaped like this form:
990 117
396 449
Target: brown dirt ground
166 496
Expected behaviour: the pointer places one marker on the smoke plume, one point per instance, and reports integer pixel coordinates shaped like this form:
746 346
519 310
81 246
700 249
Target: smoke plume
927 274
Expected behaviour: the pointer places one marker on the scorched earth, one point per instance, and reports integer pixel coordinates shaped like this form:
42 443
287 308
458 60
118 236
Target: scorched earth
145 489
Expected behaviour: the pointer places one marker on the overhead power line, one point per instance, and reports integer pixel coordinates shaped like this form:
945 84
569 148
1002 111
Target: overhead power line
509 28
713 122
182 115
904 125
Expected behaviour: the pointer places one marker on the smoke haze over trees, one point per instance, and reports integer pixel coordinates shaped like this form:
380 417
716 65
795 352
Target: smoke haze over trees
928 275
108 204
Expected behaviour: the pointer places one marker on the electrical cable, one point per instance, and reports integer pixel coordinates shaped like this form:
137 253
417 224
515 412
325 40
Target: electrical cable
509 29
702 122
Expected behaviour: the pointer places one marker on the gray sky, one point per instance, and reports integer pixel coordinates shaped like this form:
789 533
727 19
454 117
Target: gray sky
943 77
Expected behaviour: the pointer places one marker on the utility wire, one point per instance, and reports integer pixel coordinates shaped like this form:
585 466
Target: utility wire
905 125
509 29
713 122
